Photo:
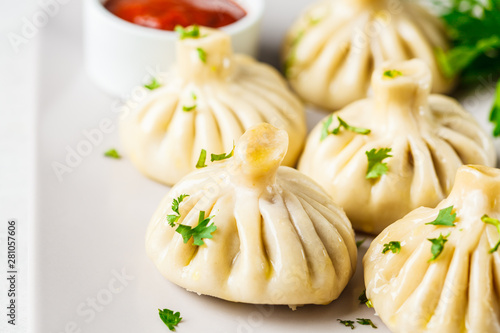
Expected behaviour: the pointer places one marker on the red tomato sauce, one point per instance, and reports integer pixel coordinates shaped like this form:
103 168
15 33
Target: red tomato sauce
166 14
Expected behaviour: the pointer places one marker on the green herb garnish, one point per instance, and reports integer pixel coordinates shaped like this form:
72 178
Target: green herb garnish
392 73
202 55
172 219
194 32
394 247
202 159
366 322
220 157
445 217
489 220
347 323
201 231
437 246
326 125
170 318
189 108
193 96
360 242
364 300
376 167
495 112
113 154
153 85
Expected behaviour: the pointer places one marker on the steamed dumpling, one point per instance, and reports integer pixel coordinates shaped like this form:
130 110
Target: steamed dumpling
459 291
279 237
331 51
430 137
207 102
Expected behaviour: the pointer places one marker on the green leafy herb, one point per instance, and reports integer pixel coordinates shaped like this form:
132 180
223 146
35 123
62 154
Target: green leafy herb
347 323
202 159
360 242
495 112
194 32
113 154
189 108
437 246
366 322
326 125
153 85
394 247
220 157
392 73
202 55
376 167
172 219
201 231
445 217
170 318
489 220
364 300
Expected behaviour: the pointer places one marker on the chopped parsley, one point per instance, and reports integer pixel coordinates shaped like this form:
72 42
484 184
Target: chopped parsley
189 108
194 32
489 220
202 55
170 318
202 159
347 323
220 157
172 219
154 84
445 217
392 73
113 154
376 167
364 300
202 230
394 247
437 246
366 322
360 242
326 125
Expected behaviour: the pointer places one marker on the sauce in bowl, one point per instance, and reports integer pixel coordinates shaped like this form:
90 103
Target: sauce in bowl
166 14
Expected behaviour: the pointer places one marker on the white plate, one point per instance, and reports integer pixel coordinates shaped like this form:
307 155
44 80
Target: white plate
90 226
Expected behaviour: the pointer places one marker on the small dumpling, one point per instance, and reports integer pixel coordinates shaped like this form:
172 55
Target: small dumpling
279 239
454 285
331 51
401 152
207 102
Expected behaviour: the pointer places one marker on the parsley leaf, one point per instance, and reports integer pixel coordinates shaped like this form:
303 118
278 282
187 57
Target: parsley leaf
172 219
326 125
186 33
489 220
202 159
220 157
202 230
392 73
153 85
202 55
394 247
437 246
113 154
364 300
445 217
170 318
347 323
360 242
366 322
189 108
495 112
375 166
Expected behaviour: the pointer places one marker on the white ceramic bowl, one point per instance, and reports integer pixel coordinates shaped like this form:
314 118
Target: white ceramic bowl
120 55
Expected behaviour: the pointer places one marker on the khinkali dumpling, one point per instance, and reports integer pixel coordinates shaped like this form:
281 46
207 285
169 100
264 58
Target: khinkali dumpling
430 137
279 237
331 51
458 291
207 102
